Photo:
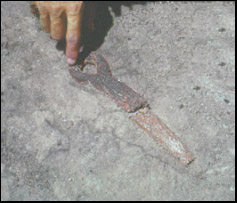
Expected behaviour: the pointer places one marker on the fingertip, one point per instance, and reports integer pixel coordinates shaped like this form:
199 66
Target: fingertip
71 61
72 47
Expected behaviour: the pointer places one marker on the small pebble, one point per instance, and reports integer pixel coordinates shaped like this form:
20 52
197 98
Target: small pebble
222 29
197 88
221 64
226 101
181 106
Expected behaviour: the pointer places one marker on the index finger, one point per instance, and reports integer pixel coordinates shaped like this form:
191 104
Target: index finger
73 35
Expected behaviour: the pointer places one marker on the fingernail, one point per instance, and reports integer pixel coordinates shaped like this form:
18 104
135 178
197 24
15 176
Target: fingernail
71 61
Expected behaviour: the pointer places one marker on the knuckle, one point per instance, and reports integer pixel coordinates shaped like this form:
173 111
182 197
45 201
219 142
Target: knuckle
72 39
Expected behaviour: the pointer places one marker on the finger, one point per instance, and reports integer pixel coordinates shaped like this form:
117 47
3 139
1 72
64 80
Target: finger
73 35
57 24
44 18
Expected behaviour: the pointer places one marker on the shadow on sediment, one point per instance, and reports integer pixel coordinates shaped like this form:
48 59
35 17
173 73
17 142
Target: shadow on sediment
91 41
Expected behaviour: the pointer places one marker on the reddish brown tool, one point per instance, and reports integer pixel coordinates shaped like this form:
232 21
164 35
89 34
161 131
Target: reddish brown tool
123 95
131 101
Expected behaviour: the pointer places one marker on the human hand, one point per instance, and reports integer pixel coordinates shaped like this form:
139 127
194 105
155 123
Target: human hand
62 19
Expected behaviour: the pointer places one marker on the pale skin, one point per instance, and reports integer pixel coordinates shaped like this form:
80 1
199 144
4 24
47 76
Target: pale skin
63 19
